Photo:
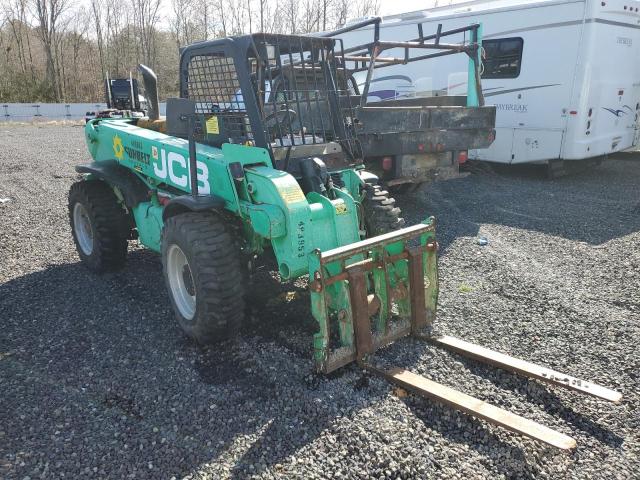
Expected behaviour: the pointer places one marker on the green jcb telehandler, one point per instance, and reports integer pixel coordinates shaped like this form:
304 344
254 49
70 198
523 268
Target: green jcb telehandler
246 162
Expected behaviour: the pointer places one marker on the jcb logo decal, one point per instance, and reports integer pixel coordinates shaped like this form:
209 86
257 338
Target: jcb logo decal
175 167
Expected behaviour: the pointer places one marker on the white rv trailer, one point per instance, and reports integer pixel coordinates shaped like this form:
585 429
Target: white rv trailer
564 75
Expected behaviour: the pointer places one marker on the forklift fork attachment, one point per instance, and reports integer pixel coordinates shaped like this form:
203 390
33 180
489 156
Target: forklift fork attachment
356 287
429 389
522 367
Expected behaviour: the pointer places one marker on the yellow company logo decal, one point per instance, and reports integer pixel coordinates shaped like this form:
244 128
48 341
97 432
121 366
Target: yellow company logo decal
118 149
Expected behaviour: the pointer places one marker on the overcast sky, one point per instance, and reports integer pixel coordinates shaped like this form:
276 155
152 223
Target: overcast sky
390 7
387 7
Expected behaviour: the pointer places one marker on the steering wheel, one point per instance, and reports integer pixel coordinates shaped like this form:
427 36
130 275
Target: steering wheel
279 117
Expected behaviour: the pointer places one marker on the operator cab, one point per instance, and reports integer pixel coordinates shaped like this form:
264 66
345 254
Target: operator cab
278 92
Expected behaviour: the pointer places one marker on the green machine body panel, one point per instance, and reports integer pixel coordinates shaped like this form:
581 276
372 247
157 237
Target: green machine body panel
301 229
319 235
269 201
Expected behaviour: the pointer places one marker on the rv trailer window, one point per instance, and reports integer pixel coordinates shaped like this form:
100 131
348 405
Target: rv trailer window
503 57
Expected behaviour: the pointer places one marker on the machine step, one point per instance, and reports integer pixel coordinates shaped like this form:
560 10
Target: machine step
522 367
473 406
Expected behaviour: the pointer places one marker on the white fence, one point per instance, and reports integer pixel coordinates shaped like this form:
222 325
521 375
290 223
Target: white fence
26 112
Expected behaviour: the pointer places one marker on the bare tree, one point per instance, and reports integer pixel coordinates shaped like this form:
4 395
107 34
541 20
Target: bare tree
365 8
97 8
205 20
146 16
341 12
76 39
220 8
16 17
291 13
182 21
48 14
53 50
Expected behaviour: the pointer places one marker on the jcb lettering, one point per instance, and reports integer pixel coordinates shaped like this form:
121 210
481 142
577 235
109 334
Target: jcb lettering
174 166
161 170
176 158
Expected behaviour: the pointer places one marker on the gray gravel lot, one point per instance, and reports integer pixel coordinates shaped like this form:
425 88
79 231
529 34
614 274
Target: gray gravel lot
97 380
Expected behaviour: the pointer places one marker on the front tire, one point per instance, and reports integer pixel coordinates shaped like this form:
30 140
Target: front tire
99 224
203 274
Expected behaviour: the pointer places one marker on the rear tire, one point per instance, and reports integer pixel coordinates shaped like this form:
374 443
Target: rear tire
380 213
99 224
203 274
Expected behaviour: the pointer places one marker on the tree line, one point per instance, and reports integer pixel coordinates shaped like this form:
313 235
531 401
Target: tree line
61 50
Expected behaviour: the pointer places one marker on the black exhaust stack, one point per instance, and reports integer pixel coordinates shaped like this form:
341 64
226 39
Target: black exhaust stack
150 82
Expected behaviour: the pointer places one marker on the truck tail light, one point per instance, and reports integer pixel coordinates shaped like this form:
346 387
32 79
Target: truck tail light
463 156
387 163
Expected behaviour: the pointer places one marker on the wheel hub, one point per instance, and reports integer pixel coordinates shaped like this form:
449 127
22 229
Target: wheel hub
181 282
83 229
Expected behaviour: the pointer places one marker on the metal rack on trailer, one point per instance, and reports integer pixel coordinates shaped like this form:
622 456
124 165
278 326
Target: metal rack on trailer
409 141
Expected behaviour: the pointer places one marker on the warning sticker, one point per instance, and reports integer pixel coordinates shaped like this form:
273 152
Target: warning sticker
212 125
341 209
292 194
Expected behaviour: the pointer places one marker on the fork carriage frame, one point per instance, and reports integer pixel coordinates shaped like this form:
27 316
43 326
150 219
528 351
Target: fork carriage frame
354 288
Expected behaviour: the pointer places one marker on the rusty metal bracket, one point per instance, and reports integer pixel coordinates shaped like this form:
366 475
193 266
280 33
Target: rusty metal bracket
360 309
416 286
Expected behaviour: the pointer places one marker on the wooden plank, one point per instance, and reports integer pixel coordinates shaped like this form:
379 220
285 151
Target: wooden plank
523 367
478 408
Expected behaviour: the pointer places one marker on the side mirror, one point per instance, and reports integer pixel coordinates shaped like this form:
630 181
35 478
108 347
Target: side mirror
181 122
179 110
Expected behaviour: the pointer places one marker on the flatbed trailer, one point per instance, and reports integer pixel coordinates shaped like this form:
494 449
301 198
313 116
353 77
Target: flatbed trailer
412 140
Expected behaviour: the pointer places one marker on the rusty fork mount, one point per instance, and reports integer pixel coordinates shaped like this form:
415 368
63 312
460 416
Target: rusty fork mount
364 305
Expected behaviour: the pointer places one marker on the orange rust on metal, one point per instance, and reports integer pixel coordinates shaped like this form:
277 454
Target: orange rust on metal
473 406
360 311
387 286
316 284
373 304
416 286
399 292
378 343
367 264
364 246
523 367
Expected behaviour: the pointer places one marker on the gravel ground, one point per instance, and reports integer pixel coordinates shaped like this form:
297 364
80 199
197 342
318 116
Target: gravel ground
98 381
